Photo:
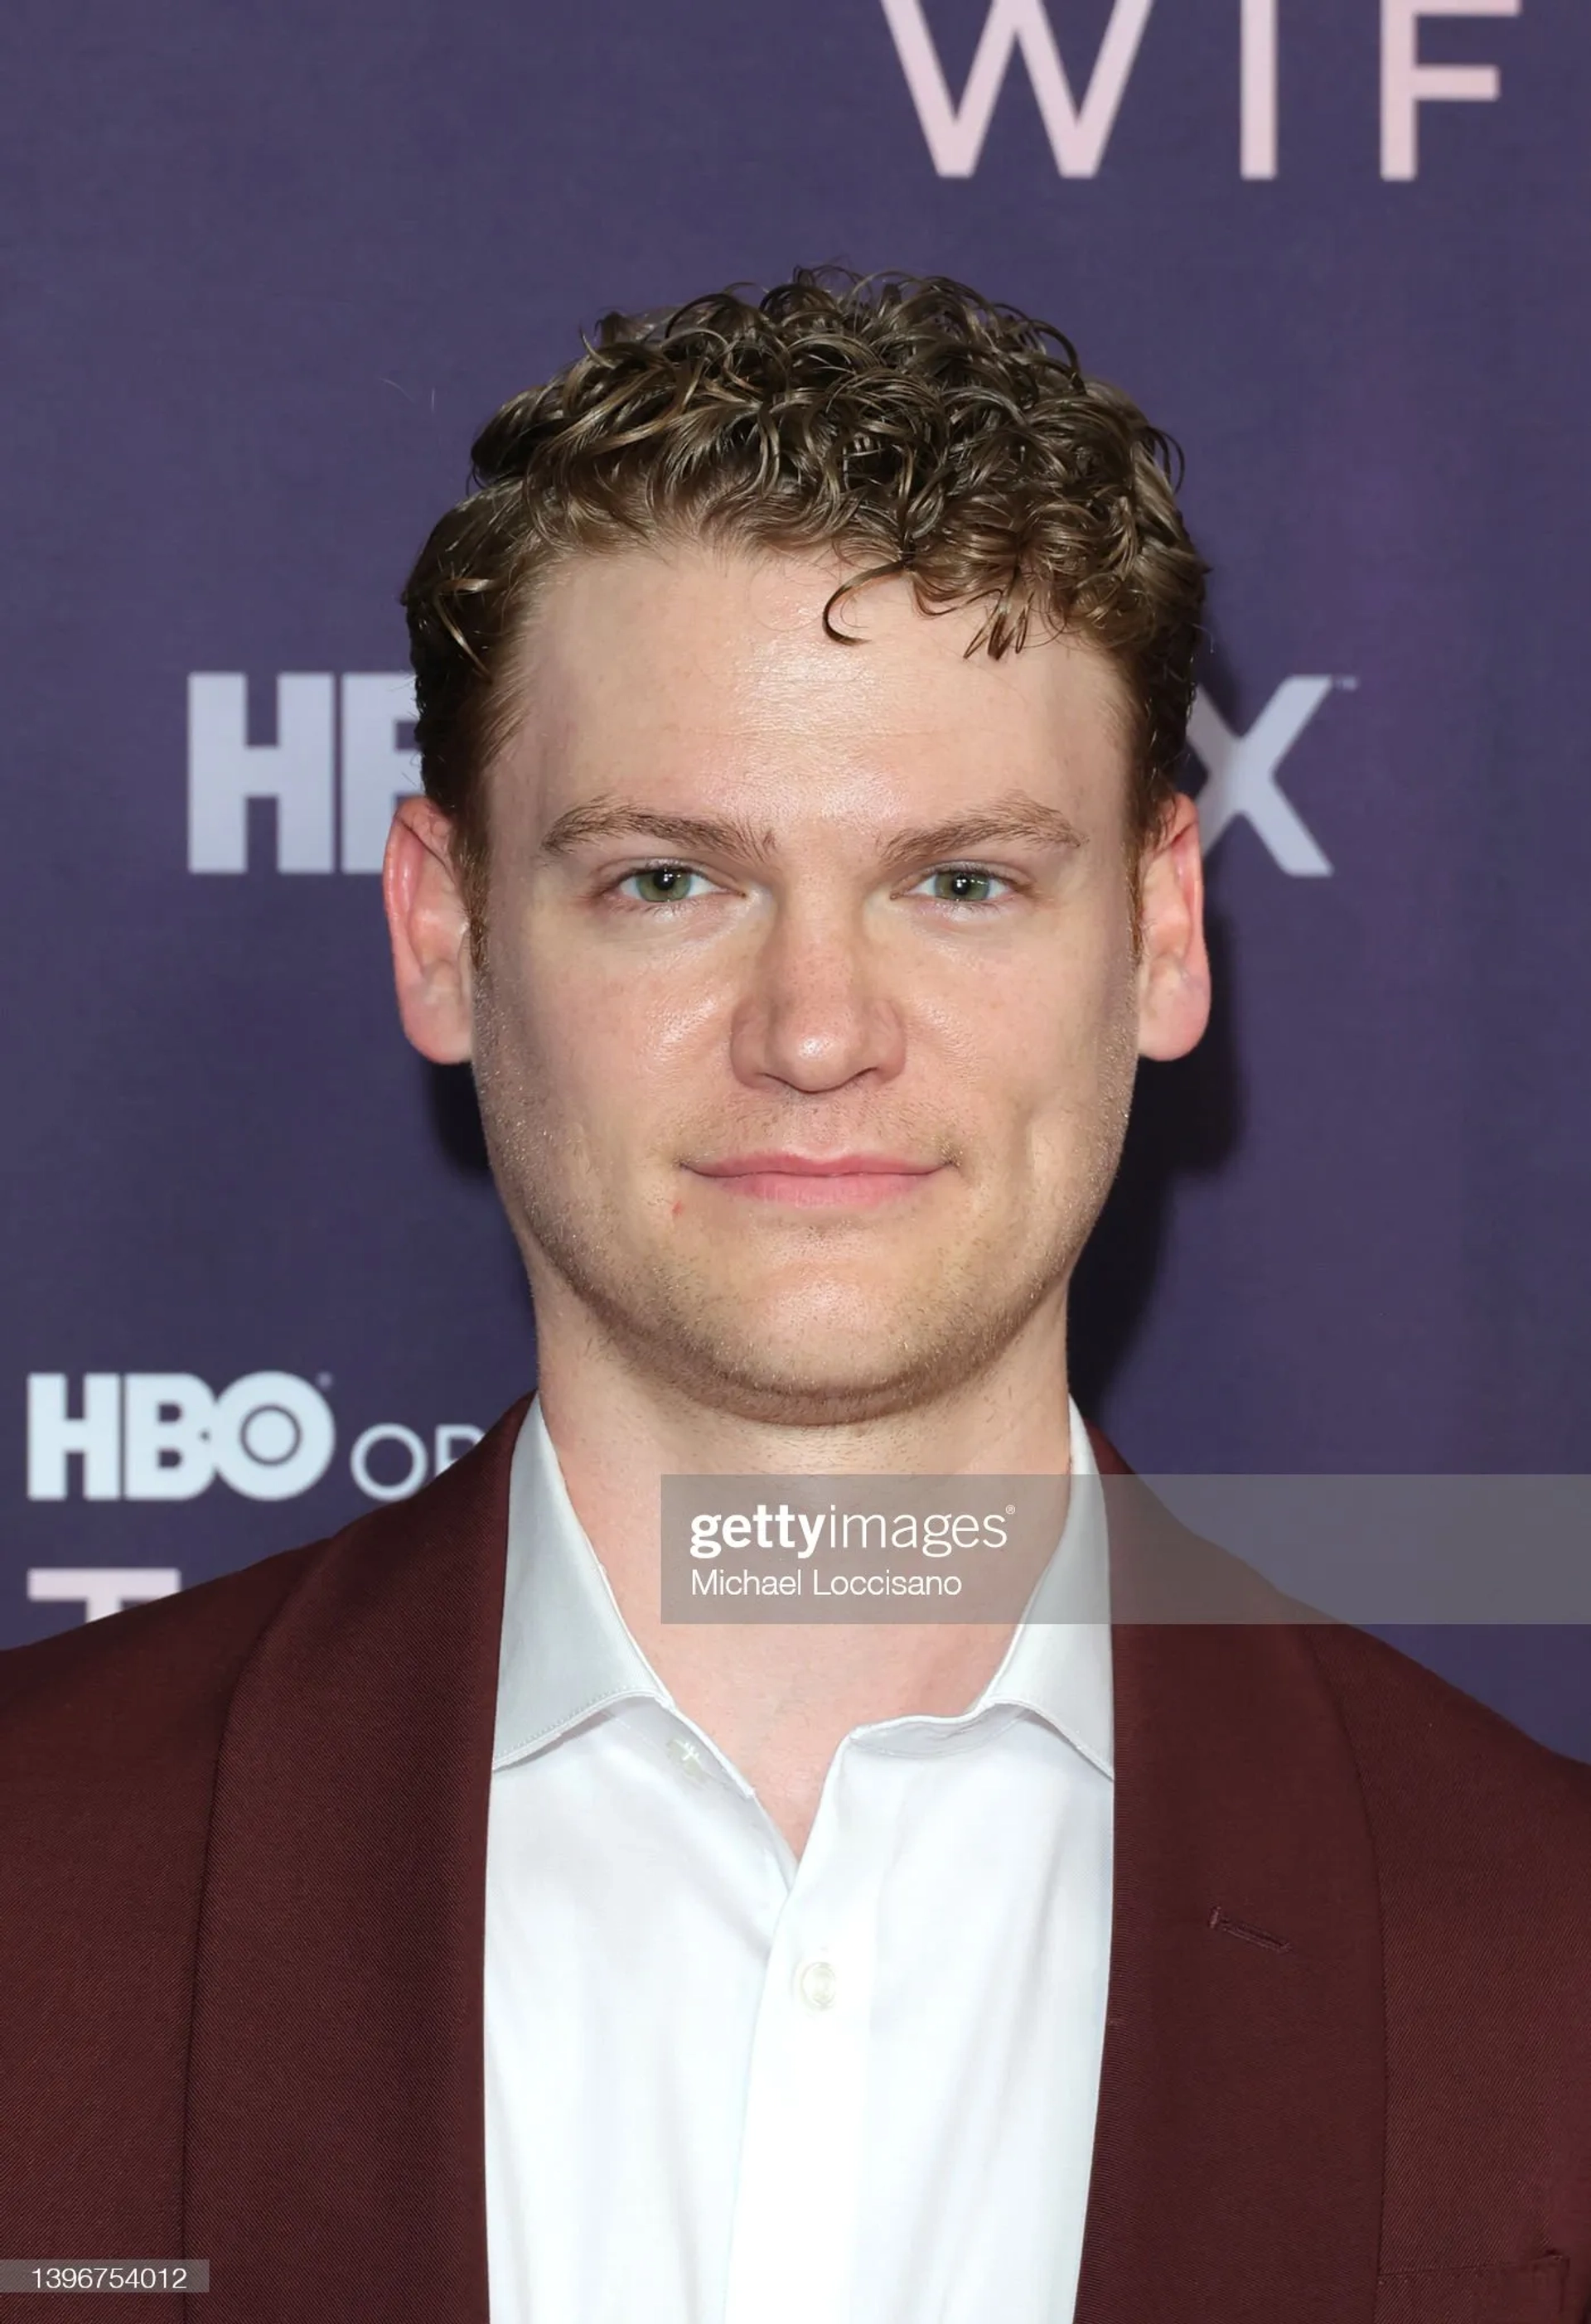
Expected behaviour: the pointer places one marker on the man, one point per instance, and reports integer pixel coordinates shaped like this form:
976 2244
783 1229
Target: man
417 1921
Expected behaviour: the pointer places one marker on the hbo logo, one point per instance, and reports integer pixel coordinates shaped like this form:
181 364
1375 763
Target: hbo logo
165 1436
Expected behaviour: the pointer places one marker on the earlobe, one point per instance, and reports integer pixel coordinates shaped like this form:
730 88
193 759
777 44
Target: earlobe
429 924
1173 965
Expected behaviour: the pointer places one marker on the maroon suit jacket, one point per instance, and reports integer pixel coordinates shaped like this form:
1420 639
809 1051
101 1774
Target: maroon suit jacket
1347 2060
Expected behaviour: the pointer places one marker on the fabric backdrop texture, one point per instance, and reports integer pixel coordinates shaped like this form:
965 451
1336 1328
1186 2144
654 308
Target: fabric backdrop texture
267 269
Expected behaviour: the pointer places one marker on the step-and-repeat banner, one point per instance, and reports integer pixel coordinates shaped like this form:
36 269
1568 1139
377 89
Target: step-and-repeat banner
266 269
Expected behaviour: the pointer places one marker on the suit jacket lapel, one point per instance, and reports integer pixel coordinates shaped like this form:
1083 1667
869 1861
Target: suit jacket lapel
1238 2154
334 2159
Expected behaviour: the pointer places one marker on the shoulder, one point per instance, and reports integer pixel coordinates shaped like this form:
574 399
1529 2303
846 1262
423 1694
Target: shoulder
107 1696
107 1707
1462 1803
1440 1771
1418 1733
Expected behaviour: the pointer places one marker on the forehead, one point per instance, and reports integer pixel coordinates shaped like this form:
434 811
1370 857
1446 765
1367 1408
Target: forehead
696 666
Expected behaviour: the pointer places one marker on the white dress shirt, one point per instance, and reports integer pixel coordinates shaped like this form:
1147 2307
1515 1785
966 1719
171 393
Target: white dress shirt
727 2086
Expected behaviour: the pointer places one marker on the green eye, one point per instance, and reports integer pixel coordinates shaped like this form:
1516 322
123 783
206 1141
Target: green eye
963 884
662 883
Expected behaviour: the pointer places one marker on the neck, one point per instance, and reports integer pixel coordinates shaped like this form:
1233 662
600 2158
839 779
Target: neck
779 1698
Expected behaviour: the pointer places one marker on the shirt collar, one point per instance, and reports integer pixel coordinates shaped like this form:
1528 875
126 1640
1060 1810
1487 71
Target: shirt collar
1058 1665
566 1652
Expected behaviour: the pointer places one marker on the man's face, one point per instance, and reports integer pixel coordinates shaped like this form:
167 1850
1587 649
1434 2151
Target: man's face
758 900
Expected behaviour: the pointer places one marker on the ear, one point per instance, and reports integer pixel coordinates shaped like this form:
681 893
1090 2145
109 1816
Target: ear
429 929
1173 966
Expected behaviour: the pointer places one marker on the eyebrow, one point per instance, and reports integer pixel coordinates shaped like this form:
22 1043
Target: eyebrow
621 819
1015 816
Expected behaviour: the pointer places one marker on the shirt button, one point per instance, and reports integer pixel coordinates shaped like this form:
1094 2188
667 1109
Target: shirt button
686 1754
818 1984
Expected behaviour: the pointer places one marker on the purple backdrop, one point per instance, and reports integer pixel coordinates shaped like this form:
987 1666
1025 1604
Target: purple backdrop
267 269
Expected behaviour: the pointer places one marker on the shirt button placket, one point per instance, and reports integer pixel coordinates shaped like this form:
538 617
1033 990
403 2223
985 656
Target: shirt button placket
793 2246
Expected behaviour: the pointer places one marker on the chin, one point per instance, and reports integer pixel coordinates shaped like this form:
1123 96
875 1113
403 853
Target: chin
824 1373
813 1398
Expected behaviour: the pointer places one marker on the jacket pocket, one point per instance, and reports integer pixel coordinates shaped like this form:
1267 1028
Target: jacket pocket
1529 2291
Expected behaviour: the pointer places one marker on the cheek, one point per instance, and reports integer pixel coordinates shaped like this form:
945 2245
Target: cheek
607 1057
1061 1028
625 1025
1078 1071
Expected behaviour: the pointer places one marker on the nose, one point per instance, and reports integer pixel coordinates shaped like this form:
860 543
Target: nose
818 1010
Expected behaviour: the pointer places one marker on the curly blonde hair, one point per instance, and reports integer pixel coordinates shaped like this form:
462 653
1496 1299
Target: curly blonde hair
909 422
